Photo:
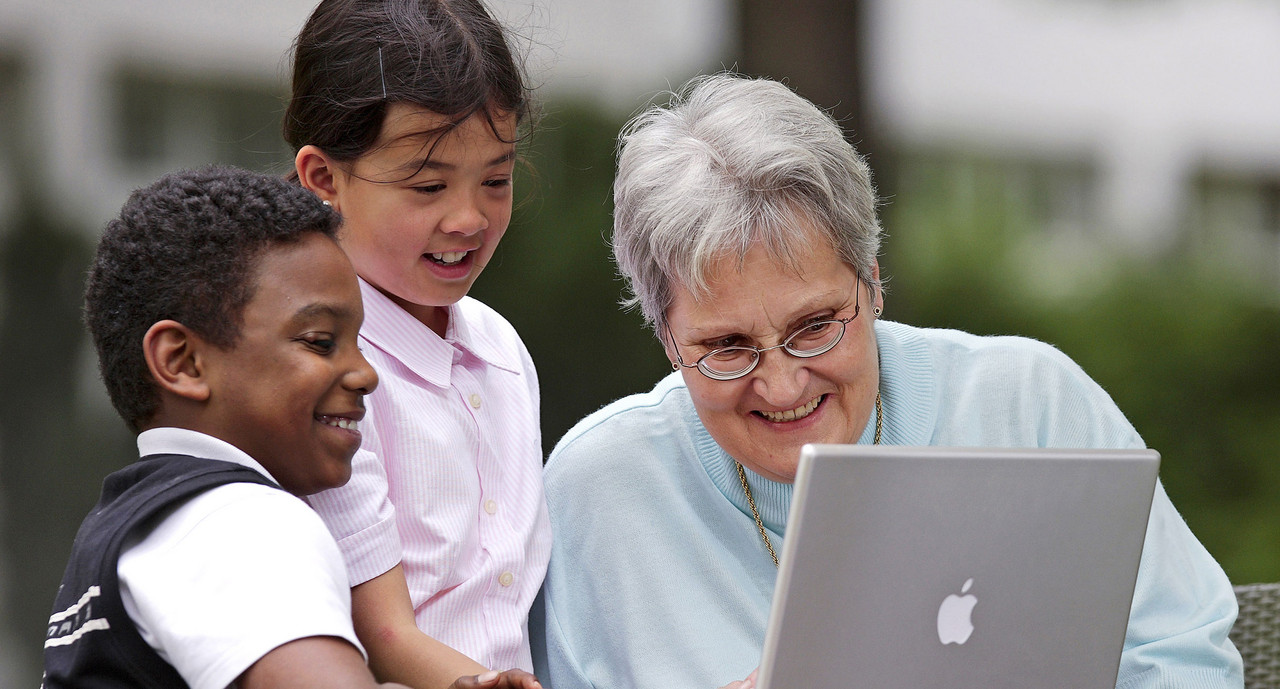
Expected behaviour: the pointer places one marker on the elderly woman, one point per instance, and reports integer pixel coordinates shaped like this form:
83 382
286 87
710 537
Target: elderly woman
746 228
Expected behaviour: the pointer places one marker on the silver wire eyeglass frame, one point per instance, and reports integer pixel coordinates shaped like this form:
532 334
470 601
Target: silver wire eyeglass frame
755 352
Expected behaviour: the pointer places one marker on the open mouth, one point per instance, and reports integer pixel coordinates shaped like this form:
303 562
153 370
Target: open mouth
792 414
448 258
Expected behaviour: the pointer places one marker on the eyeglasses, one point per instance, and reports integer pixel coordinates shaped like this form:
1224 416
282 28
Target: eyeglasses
729 363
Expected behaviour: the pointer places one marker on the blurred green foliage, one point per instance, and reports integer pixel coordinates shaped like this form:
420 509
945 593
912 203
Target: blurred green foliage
1191 355
553 277
53 455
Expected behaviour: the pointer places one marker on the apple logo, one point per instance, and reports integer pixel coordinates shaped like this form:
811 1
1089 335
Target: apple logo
954 625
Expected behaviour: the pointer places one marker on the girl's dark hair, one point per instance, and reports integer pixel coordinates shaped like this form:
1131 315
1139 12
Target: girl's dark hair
354 57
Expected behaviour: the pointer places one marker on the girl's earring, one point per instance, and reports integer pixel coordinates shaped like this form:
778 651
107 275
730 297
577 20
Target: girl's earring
326 202
876 311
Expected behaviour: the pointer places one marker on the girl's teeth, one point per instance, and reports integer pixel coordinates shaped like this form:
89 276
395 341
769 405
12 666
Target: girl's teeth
792 414
449 257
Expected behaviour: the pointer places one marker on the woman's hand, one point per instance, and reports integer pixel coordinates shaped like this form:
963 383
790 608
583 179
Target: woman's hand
748 683
511 679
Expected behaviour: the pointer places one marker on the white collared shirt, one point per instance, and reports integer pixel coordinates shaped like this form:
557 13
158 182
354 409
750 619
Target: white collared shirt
232 573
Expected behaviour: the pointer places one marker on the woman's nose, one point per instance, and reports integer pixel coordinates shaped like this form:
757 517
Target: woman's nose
780 379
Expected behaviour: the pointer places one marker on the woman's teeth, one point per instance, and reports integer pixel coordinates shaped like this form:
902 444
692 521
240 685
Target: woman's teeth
792 414
449 258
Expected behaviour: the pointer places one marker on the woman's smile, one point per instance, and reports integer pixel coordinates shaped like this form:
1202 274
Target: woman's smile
791 415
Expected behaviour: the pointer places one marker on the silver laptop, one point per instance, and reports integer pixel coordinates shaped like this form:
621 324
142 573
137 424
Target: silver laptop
930 567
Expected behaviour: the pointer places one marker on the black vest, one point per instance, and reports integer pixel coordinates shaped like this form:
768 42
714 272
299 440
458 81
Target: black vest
91 642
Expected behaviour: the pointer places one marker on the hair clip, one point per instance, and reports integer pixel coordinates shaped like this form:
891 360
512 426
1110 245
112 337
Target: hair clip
382 74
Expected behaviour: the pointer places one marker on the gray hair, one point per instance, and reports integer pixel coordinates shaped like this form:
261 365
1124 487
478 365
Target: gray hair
729 164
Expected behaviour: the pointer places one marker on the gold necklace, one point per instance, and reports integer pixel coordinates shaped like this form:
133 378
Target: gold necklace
751 502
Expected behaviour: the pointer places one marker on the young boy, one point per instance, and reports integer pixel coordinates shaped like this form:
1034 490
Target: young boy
225 319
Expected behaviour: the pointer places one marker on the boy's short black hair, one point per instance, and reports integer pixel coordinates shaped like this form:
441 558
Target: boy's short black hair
184 248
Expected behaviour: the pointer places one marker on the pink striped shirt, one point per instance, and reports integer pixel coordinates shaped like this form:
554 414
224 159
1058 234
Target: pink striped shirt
448 479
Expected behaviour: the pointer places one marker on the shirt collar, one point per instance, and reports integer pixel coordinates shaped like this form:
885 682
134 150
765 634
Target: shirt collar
395 331
182 441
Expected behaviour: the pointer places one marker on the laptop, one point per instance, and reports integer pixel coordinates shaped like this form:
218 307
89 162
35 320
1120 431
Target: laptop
921 567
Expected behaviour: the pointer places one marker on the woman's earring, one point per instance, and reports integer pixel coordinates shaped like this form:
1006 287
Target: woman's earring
326 202
875 311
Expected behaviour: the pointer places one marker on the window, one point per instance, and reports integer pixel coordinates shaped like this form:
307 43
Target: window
1235 216
11 99
1036 195
1237 203
164 122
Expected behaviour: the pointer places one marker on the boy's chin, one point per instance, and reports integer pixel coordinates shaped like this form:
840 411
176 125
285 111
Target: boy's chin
340 478
317 483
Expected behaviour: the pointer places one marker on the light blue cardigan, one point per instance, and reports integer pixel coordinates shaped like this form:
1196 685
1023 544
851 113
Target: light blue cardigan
659 580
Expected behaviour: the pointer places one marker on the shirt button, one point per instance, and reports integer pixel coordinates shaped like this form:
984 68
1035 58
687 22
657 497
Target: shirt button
491 506
506 578
475 401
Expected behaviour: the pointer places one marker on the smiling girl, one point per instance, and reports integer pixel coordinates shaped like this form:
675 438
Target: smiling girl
405 115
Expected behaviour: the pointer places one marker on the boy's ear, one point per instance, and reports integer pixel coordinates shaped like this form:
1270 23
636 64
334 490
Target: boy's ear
175 357
316 172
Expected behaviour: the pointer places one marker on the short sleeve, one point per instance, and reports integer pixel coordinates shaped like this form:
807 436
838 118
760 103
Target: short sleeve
230 576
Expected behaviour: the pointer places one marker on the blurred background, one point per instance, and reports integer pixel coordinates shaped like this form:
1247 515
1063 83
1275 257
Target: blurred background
1100 174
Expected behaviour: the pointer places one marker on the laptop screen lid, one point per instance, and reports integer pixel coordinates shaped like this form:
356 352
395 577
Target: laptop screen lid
958 567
